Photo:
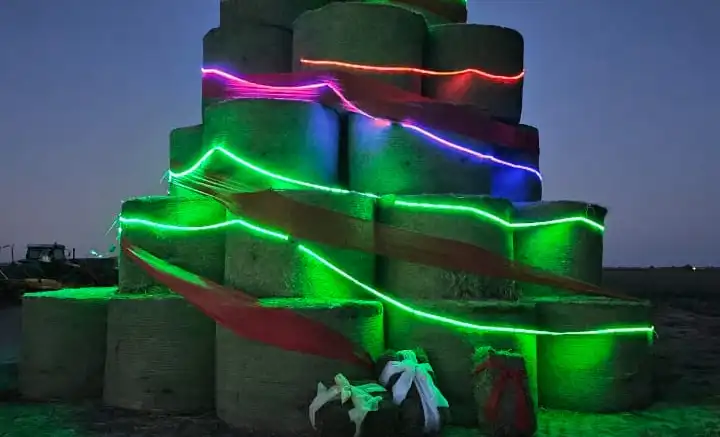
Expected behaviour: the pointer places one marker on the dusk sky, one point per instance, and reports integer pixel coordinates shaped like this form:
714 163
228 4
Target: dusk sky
625 94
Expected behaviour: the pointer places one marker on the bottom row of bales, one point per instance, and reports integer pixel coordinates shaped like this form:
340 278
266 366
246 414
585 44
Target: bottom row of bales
156 352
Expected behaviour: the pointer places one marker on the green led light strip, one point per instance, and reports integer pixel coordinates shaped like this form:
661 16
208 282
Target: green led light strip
400 203
383 297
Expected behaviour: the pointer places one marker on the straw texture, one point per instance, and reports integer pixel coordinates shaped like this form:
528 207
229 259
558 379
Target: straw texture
160 354
451 349
391 159
247 48
63 343
415 281
493 49
265 267
294 139
362 33
598 373
202 253
570 249
185 151
265 388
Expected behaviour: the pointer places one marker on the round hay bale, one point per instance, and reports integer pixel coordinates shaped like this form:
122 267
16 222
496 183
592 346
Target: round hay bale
572 249
247 48
63 343
279 13
450 349
185 151
391 159
415 281
594 373
514 184
362 33
298 140
492 49
200 252
160 354
268 389
264 267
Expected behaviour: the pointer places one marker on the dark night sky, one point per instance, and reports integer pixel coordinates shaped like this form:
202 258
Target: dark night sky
621 90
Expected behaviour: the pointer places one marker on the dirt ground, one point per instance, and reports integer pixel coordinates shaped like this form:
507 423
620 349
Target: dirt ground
688 385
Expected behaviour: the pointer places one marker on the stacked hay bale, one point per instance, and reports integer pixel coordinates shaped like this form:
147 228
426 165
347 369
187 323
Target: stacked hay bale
568 248
202 253
267 267
265 388
455 218
362 33
63 343
491 49
185 151
604 373
160 354
392 159
277 142
160 349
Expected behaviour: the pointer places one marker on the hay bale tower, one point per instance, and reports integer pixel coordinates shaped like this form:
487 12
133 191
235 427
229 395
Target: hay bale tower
146 348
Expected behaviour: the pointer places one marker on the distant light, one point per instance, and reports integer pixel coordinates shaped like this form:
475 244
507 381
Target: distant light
694 268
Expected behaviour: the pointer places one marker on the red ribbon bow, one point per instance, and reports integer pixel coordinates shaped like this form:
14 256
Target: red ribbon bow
514 376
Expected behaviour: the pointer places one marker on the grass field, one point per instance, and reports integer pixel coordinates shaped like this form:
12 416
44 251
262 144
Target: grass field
687 379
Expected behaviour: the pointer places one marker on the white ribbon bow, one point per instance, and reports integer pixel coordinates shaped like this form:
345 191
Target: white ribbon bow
412 372
361 397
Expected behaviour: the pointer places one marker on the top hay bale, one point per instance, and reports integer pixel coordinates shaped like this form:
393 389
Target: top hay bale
496 50
362 33
279 13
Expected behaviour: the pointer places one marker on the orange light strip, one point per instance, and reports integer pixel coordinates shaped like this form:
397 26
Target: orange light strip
412 70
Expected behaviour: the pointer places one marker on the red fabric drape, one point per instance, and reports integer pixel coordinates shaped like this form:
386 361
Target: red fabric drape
385 101
242 314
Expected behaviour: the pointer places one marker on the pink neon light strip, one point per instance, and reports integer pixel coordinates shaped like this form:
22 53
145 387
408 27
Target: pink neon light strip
311 92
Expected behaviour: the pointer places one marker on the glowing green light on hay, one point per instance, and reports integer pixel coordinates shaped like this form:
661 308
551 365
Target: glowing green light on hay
399 203
381 296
